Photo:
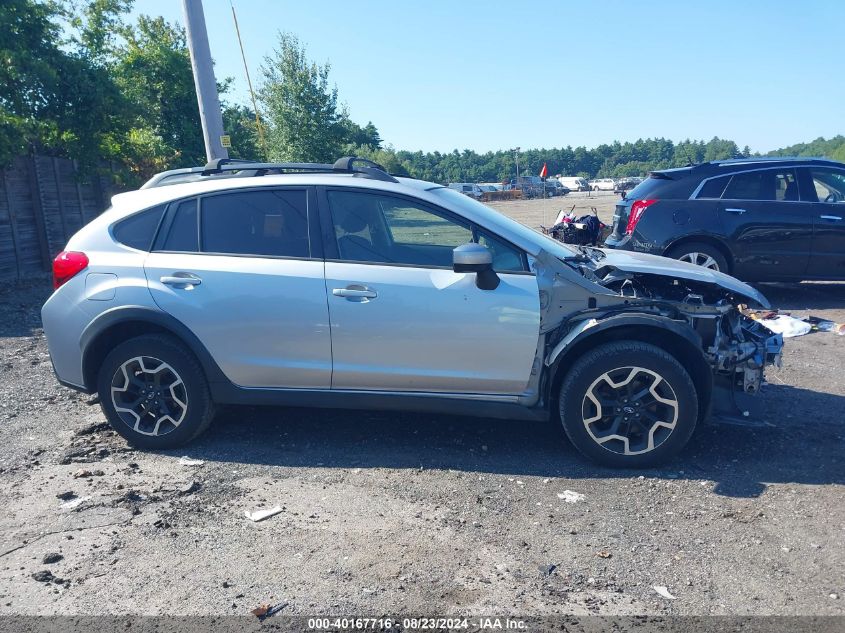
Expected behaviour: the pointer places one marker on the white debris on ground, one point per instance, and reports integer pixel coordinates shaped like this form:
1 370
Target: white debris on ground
260 515
663 591
570 496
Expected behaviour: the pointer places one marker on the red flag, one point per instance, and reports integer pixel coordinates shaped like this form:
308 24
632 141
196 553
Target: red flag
544 172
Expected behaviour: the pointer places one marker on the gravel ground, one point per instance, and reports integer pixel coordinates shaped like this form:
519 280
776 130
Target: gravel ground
413 513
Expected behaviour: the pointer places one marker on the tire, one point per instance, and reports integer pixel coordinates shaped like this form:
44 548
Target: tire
701 254
170 376
627 442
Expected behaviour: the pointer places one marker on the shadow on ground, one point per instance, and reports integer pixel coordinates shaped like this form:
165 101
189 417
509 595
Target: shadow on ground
805 448
805 296
20 306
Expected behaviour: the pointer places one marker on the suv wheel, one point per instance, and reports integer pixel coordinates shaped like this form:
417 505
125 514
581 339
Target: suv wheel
701 255
628 404
154 392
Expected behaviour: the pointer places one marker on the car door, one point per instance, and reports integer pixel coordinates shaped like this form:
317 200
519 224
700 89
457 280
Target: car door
768 225
402 320
827 260
243 270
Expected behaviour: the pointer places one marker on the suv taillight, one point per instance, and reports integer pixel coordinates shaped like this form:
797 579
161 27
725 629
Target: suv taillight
66 265
637 210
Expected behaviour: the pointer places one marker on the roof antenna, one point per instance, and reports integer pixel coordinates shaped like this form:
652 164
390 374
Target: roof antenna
689 160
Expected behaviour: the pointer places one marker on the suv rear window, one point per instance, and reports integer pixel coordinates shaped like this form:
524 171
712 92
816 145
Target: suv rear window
138 231
647 189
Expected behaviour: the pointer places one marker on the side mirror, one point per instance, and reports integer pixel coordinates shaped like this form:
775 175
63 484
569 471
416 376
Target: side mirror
476 258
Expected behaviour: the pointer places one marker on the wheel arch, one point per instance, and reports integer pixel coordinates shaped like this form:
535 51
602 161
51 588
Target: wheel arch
121 324
710 240
678 339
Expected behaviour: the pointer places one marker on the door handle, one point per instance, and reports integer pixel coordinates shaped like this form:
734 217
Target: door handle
735 210
355 292
181 280
830 217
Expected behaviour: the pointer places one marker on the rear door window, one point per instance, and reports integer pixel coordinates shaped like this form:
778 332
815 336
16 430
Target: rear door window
183 235
271 222
769 185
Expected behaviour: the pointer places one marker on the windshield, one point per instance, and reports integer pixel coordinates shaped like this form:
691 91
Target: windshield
493 218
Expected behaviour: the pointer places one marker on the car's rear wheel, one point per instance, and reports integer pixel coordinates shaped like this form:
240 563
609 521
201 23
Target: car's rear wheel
628 404
700 254
154 393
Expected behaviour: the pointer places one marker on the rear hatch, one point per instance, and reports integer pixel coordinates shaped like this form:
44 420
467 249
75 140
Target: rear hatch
660 185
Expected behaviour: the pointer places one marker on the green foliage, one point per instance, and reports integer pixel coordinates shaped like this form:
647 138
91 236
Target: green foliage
833 148
301 110
107 91
153 69
609 160
239 123
305 122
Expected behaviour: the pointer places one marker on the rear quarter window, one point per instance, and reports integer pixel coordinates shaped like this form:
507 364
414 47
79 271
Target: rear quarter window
138 230
713 188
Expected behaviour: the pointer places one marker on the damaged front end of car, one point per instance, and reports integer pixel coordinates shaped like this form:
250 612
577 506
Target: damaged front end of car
697 313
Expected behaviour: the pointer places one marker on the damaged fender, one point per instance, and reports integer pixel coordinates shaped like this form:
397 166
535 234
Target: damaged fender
582 296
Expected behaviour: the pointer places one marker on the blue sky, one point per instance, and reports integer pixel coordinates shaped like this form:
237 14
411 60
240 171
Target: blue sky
440 75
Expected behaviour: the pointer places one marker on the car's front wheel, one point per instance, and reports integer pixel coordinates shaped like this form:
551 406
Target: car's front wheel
154 393
628 404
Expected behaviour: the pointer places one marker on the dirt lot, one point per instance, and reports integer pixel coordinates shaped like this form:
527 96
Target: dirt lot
543 212
412 513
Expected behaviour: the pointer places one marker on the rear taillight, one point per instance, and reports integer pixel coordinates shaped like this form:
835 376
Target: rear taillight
637 210
66 265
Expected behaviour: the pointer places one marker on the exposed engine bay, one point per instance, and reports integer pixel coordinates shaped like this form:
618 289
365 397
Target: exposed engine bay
703 308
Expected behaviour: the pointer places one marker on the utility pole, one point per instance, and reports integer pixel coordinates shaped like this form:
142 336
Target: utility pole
209 104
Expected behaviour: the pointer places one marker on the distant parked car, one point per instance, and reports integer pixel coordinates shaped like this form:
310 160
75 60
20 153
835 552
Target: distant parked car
760 219
574 183
602 184
554 188
531 186
467 188
626 184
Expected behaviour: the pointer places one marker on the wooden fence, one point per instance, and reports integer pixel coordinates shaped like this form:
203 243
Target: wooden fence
43 201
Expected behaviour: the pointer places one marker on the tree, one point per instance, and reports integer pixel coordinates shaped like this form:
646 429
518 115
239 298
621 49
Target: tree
53 97
239 123
153 69
358 136
301 111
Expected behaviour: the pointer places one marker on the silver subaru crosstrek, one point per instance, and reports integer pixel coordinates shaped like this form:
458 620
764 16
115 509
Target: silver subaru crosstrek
343 286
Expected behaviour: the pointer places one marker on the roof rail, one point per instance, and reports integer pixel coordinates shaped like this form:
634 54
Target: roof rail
235 168
768 159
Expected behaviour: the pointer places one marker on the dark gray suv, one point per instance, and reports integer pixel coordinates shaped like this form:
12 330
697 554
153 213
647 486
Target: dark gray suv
762 219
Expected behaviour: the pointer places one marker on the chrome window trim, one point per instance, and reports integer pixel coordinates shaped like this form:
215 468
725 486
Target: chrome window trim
529 273
795 168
